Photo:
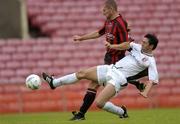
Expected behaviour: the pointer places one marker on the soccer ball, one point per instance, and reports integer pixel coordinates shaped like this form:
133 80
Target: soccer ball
33 81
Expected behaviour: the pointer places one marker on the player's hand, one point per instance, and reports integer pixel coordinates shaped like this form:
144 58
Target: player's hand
143 94
130 39
107 45
147 89
77 38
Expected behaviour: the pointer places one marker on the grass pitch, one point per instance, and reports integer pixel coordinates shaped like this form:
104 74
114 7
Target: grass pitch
149 116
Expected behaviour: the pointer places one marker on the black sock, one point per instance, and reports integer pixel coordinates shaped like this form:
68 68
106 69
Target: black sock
88 100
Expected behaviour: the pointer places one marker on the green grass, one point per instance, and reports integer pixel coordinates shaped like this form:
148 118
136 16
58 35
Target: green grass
150 116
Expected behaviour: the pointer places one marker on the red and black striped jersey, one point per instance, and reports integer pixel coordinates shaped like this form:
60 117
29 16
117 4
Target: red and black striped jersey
116 33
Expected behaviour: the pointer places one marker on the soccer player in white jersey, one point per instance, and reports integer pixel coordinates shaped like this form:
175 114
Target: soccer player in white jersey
114 77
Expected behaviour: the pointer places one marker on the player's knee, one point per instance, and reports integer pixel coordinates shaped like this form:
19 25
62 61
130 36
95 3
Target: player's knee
81 74
99 104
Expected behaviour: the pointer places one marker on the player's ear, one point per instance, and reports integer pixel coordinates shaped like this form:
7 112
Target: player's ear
151 46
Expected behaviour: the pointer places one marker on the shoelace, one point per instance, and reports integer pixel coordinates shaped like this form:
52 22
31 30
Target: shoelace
48 79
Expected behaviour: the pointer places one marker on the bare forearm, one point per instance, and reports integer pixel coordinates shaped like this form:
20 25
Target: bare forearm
147 89
122 46
91 35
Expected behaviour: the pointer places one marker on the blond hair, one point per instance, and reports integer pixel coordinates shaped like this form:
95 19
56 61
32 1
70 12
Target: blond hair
111 4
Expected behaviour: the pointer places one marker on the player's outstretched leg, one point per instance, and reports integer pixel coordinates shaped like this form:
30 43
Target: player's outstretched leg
125 114
48 79
89 74
120 111
102 101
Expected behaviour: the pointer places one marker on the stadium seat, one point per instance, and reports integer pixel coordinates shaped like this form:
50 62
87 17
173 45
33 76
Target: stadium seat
162 90
169 101
5 57
176 90
143 103
8 49
9 98
9 108
168 82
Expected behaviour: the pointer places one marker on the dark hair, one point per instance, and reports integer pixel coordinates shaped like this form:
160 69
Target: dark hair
111 4
153 40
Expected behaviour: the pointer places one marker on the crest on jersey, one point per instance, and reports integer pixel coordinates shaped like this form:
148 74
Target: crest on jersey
144 59
109 37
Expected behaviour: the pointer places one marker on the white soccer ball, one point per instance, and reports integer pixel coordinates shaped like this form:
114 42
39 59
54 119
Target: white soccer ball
33 81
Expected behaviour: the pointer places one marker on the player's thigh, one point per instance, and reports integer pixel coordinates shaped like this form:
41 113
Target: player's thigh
90 74
105 95
93 85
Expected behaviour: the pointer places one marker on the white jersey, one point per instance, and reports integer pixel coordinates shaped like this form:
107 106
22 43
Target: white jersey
136 62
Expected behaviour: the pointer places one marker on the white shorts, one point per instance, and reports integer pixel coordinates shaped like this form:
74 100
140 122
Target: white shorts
109 74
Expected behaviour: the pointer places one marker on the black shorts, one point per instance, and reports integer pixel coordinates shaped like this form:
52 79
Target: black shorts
112 58
139 75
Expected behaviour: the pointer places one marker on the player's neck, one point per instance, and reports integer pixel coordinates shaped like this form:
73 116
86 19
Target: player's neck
147 52
115 15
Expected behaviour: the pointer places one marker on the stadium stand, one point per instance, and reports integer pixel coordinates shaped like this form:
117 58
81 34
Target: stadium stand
60 20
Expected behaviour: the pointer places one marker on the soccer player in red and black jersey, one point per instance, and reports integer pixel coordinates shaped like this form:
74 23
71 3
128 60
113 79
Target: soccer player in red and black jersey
116 32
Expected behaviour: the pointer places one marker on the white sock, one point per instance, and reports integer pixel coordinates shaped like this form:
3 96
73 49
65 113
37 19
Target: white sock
65 80
110 107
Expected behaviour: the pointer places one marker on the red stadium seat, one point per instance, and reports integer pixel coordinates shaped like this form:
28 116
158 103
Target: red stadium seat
10 108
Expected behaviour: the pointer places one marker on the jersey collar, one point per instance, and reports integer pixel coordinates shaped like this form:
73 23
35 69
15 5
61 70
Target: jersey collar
148 54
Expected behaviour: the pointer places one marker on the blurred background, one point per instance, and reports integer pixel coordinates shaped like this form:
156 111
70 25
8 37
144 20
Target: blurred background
36 36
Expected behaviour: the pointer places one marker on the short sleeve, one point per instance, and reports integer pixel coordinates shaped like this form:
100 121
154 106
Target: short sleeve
135 45
102 30
132 44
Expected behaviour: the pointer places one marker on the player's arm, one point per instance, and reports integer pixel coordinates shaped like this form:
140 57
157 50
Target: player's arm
147 89
153 78
122 46
91 35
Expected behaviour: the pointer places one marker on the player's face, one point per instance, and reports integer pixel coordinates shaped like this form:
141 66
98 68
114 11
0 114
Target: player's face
107 12
145 44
